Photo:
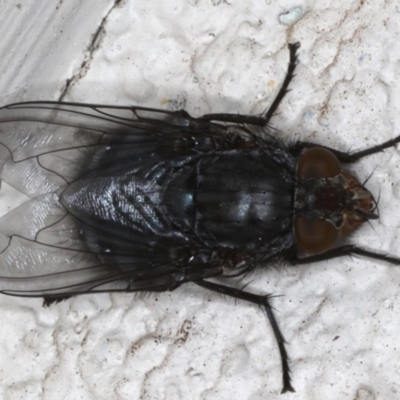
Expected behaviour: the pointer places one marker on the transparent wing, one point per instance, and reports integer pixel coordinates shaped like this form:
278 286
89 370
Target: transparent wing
41 141
44 147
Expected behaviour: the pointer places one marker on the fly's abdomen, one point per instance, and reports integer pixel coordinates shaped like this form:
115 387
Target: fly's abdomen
230 200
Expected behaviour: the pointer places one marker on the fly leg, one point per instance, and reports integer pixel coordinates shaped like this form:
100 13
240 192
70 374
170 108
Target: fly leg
264 302
264 119
348 250
49 300
349 157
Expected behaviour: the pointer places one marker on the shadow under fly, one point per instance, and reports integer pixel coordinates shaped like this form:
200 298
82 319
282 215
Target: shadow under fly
139 199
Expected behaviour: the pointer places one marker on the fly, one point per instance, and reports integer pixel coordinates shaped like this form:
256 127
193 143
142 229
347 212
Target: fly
126 199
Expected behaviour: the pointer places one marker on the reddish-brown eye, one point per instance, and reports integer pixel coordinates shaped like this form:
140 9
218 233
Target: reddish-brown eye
316 163
313 235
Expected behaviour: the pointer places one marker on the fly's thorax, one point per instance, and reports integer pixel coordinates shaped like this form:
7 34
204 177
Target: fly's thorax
330 202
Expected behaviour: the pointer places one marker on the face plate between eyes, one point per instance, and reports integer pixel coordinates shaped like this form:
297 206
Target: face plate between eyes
330 202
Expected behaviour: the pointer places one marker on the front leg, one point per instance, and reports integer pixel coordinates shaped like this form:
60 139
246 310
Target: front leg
348 157
347 250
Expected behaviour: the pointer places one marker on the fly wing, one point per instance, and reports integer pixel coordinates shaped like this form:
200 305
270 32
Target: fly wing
41 141
44 147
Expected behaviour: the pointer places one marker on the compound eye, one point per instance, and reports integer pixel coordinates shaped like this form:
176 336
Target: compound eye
313 235
316 163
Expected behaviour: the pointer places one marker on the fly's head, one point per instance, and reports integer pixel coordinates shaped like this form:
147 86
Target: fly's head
330 202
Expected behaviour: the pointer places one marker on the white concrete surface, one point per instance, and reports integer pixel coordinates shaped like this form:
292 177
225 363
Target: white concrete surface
341 318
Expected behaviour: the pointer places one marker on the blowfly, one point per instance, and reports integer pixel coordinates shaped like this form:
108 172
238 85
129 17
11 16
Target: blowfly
127 199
